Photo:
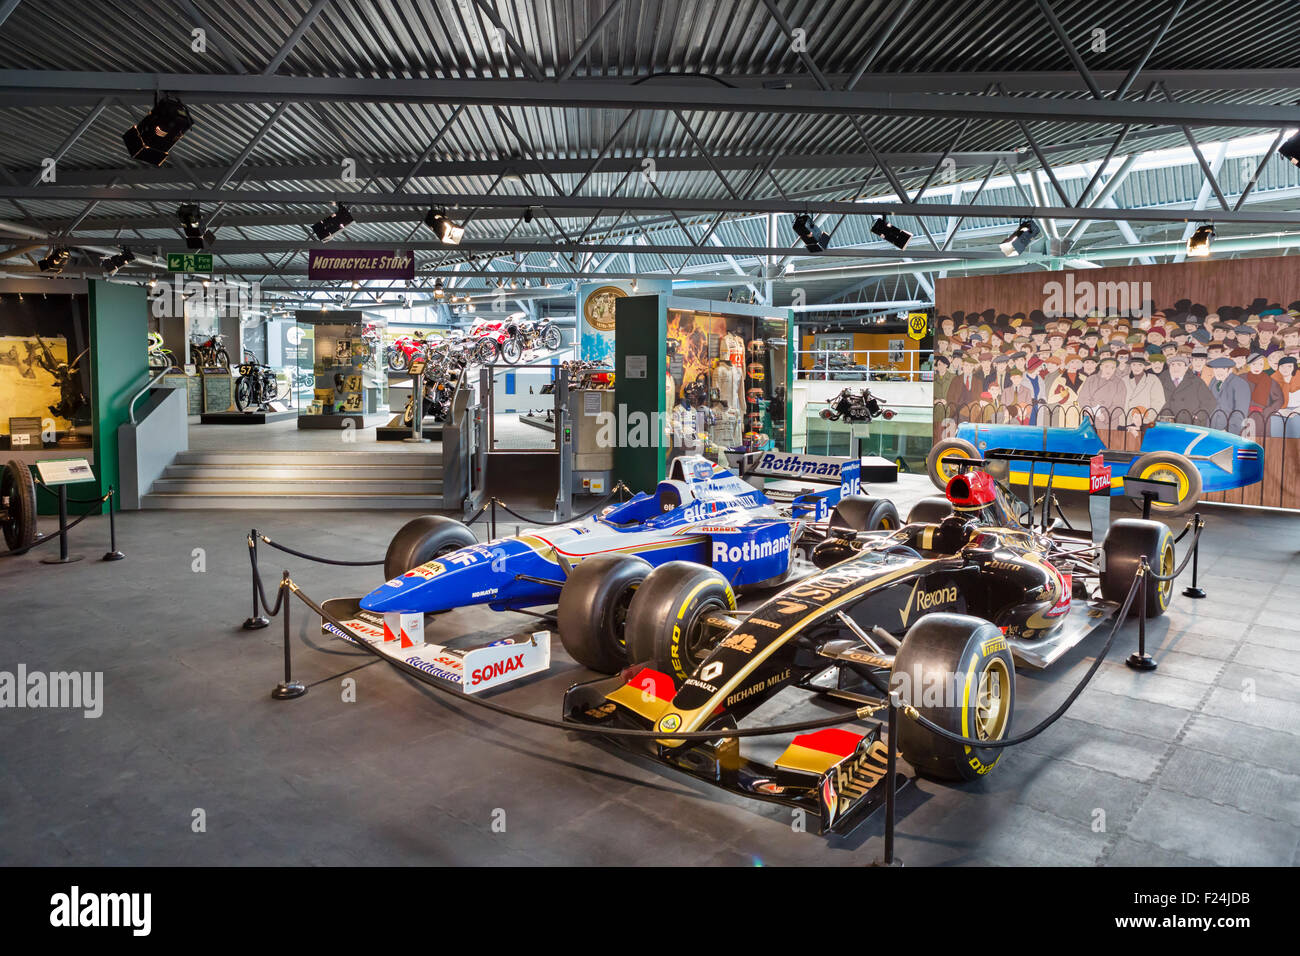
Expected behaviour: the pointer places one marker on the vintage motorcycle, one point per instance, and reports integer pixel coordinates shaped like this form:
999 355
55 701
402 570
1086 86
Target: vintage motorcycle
368 347
441 377
256 386
160 357
522 336
405 350
210 352
859 406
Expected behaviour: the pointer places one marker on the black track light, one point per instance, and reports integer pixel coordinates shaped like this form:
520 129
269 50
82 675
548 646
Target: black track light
333 224
447 231
192 225
110 264
1019 241
1199 243
1290 150
151 139
886 230
813 236
55 259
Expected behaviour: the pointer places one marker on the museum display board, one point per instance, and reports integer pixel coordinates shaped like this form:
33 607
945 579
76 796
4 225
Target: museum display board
1209 344
332 367
696 377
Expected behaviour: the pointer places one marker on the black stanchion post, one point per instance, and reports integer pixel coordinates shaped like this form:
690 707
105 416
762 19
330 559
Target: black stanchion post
492 520
112 554
891 782
288 688
1192 591
1140 660
256 621
63 557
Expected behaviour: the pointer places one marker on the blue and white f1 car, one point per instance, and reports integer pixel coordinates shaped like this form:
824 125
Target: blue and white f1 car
703 514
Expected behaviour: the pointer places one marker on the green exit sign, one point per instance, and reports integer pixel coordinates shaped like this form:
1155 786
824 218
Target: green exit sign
189 262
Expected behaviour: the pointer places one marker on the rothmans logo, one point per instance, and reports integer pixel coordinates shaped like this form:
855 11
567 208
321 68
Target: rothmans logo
800 465
750 550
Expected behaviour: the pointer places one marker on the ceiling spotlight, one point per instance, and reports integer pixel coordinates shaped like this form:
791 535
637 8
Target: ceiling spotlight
438 290
333 224
891 233
110 264
634 283
813 236
162 127
188 214
1019 241
1199 243
153 281
1290 150
55 259
447 231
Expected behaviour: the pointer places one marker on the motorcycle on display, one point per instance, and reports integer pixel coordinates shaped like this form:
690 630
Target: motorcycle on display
523 336
486 338
368 347
160 357
859 406
441 377
404 350
256 386
210 352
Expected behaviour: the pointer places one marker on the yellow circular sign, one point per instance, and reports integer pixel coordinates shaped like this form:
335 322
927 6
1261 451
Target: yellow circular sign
918 323
598 310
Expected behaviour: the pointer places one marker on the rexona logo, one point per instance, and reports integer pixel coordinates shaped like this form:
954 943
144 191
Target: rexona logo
750 550
929 599
497 669
75 909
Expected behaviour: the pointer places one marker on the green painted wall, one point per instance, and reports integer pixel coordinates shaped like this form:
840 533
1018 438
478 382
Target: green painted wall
119 328
640 328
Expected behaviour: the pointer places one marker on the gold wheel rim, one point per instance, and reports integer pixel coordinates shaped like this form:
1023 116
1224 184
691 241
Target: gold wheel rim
993 701
1166 571
942 464
1162 471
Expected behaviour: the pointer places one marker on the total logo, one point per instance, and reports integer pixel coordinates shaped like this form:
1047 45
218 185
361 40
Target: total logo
749 550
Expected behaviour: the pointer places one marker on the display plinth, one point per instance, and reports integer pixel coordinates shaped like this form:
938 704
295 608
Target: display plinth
247 418
331 421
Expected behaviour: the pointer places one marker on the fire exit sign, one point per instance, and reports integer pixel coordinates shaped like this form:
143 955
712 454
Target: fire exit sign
189 262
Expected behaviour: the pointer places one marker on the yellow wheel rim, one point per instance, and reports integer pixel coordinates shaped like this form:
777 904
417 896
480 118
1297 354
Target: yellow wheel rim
941 463
993 701
1165 588
1164 471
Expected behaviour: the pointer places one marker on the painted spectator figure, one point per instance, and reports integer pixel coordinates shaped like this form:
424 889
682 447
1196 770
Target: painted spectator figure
1188 399
1145 396
1265 393
1245 336
1239 357
964 389
1200 358
1287 425
1018 397
1073 374
1104 395
1090 365
1231 396
1267 343
943 379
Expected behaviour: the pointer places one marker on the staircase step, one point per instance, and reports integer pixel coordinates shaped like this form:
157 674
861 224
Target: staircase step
307 486
293 502
301 472
423 454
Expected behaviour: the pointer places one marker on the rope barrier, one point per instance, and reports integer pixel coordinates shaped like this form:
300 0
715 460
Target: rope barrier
313 557
590 511
55 537
1196 537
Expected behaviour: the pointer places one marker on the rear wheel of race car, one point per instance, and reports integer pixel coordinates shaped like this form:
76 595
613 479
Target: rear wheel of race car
593 610
18 505
856 513
929 510
1126 542
1172 467
957 671
421 540
941 463
665 624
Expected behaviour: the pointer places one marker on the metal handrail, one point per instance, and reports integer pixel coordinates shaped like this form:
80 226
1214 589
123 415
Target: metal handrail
140 394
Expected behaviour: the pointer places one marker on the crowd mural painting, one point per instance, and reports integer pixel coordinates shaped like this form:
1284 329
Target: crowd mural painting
1226 362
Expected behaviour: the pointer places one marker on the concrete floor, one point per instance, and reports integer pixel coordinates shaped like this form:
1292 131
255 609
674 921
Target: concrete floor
1196 763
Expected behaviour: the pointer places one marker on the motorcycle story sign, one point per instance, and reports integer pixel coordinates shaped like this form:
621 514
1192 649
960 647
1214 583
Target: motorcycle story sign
359 264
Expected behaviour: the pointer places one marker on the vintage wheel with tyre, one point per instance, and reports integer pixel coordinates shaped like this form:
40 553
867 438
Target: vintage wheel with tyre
593 609
930 510
968 661
551 338
222 358
666 621
1127 540
18 505
485 351
397 360
941 463
511 352
243 393
424 539
1174 468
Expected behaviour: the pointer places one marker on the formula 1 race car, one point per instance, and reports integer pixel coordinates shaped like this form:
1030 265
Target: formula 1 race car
1194 458
938 610
702 514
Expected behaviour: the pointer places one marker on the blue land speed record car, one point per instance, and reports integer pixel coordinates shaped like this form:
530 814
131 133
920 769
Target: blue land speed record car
702 517
1196 459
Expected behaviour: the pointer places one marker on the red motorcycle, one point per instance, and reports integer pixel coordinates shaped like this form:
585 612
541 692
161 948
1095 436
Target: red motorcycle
404 350
488 337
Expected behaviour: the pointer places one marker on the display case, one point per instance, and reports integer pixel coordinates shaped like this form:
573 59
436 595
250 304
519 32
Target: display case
337 379
697 377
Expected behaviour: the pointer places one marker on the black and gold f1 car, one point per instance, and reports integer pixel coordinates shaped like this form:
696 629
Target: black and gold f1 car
939 610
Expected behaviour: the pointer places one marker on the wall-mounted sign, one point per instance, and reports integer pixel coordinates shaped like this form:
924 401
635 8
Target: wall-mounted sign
189 262
359 264
918 323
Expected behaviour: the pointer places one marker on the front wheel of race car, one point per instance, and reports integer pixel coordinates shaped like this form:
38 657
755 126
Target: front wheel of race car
593 610
666 621
941 463
18 505
1127 540
958 673
421 540
1172 467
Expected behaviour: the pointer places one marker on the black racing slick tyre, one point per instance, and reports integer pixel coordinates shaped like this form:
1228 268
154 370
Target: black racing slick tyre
421 540
665 623
18 505
594 606
1126 542
856 513
957 671
939 464
1173 467
930 510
